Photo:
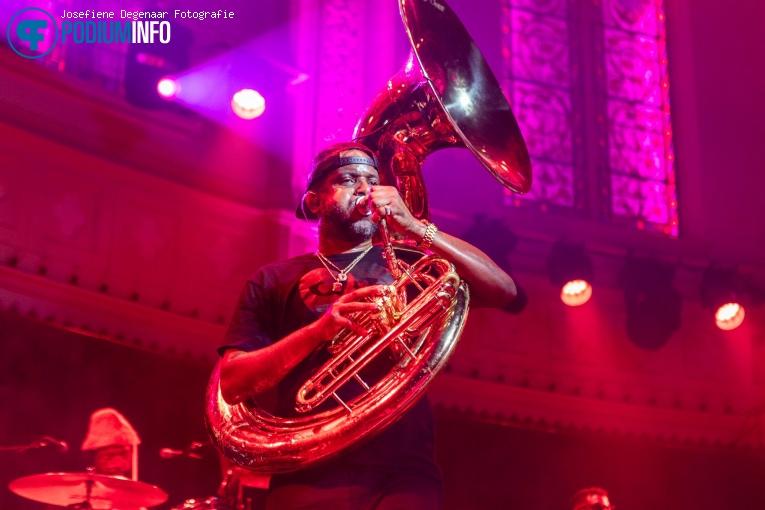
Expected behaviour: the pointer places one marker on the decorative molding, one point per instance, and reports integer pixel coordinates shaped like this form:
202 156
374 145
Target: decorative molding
73 217
523 407
102 316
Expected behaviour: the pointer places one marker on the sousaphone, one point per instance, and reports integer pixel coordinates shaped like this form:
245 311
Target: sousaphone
445 96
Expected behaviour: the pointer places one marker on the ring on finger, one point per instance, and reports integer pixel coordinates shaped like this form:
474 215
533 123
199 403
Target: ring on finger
387 210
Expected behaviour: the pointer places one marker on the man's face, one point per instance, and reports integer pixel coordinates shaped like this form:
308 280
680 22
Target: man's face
114 460
338 195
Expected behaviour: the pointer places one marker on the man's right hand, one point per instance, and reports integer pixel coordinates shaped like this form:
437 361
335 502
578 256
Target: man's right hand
246 374
337 316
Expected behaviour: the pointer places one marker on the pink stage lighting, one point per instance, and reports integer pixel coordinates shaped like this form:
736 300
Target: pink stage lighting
248 104
167 88
729 316
723 292
571 271
576 292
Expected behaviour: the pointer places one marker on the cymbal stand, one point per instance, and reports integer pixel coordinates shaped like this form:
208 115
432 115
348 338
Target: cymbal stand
88 490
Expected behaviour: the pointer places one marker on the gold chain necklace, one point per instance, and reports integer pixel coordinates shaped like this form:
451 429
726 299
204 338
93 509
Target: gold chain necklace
342 274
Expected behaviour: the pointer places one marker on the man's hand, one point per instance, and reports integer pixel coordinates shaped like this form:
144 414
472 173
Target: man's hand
490 286
247 374
336 317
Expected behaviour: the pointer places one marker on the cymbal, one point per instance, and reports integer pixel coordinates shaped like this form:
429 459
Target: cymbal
64 489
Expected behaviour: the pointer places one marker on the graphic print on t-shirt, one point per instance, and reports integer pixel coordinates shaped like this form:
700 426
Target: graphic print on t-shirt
315 286
316 289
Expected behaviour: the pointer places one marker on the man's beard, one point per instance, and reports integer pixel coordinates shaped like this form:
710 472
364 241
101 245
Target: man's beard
350 230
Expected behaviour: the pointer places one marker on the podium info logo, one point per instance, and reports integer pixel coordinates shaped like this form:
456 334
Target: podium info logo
32 33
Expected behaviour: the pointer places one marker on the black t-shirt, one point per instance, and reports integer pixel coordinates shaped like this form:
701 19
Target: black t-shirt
285 296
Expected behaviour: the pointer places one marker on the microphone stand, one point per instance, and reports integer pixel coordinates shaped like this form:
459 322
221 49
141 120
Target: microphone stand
37 443
85 505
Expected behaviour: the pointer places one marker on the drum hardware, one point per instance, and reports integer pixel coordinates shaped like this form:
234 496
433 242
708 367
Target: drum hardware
211 503
43 442
192 451
87 490
229 495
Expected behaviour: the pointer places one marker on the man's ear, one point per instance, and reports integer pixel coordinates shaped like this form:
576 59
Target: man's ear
312 201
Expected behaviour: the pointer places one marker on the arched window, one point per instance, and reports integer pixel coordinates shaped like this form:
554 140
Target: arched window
588 82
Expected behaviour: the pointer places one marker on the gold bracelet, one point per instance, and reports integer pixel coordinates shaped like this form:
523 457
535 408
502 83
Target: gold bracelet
429 237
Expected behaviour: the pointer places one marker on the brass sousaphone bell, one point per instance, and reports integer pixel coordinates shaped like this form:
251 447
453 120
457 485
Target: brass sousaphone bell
445 96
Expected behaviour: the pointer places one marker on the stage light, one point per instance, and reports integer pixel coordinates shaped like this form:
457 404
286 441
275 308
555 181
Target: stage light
167 88
652 304
147 64
729 316
248 104
576 292
721 292
570 270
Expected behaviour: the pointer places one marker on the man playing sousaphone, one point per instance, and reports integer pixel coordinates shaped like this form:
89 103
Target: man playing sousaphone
289 310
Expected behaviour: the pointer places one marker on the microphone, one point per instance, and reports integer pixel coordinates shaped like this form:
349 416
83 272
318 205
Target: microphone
189 451
61 446
169 453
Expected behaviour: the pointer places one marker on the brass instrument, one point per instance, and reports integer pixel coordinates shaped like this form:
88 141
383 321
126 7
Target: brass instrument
445 96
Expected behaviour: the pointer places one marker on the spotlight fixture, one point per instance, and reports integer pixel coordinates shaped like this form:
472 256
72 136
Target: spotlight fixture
147 64
493 237
248 104
653 305
721 292
167 88
570 270
729 316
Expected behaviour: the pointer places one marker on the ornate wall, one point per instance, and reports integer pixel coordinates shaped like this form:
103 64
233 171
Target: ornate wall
102 232
91 245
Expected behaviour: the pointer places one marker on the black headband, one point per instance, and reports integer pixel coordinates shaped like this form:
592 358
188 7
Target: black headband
330 160
354 160
330 165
